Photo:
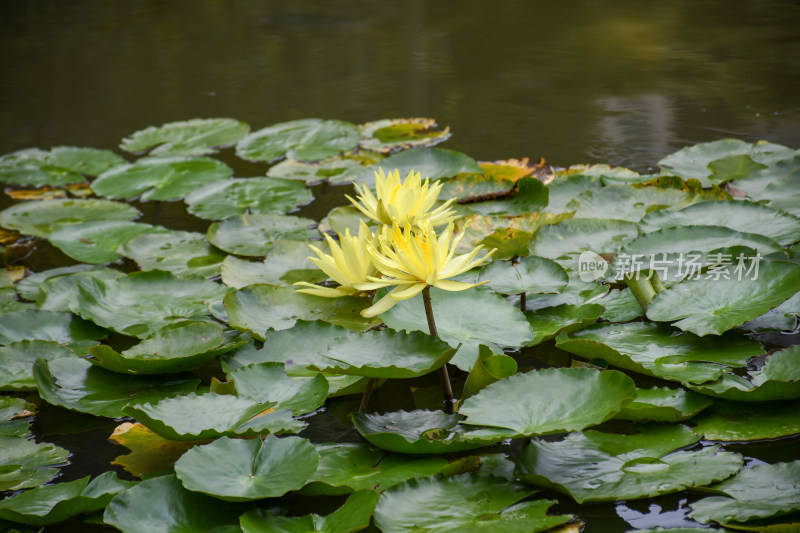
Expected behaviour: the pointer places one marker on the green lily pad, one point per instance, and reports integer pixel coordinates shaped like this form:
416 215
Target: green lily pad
529 274
51 504
14 414
174 349
181 253
243 470
160 178
529 195
778 379
28 287
27 464
576 293
269 382
550 401
60 292
782 193
226 198
663 404
42 217
287 263
394 134
207 416
433 163
740 216
424 432
565 188
346 467
781 318
340 169
16 362
549 322
659 351
258 308
489 367
60 166
254 235
152 300
758 492
734 421
76 384
593 466
97 242
162 504
32 324
305 140
707 306
576 235
353 515
198 136
620 306
625 202
466 502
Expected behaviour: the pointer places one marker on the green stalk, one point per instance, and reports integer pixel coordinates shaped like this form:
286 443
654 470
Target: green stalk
367 393
443 375
522 303
641 287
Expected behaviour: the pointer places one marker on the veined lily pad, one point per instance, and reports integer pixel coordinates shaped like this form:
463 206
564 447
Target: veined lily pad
16 362
198 136
13 415
734 421
340 169
353 516
550 401
344 217
422 432
76 384
60 292
174 349
182 253
286 263
471 188
50 504
782 193
306 140
346 467
150 453
746 217
625 202
549 322
758 492
756 182
27 464
433 163
466 502
97 242
31 324
60 166
576 235
656 350
716 305
260 307
576 293
620 306
529 195
28 287
663 404
160 178
269 382
43 217
253 235
226 198
593 466
252 469
393 134
152 300
529 274
162 504
207 416
565 188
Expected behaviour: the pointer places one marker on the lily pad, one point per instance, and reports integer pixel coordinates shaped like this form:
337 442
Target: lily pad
287 263
32 324
162 504
784 171
549 322
576 235
254 235
160 178
466 502
14 415
16 362
782 193
707 306
97 242
28 287
663 404
76 384
198 136
60 292
620 306
529 274
269 382
550 401
734 421
394 134
42 217
625 202
593 466
529 195
433 163
758 492
489 367
150 453
305 140
27 464
354 515
207 416
340 169
565 188
51 504
226 198
252 469
182 253
60 166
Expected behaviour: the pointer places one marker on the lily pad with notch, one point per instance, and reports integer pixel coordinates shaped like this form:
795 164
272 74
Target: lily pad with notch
269 382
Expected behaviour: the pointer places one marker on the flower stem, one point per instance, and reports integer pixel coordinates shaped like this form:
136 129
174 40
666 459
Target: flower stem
443 375
522 303
367 393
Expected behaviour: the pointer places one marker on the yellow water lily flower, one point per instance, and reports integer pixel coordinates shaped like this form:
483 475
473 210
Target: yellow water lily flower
403 203
414 258
348 263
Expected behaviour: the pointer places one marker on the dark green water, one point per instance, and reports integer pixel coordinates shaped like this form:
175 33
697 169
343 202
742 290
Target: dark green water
624 82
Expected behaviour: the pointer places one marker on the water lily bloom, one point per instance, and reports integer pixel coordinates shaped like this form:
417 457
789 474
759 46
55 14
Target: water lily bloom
348 263
403 203
413 258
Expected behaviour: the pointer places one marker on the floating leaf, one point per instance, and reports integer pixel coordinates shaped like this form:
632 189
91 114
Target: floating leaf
16 362
625 202
758 492
198 136
563 189
252 469
576 235
394 134
734 421
340 169
529 195
160 178
269 382
489 368
43 217
162 504
550 401
305 140
663 404
150 453
60 292
467 502
182 253
529 274
620 306
76 384
433 163
61 166
254 235
549 322
27 464
226 198
31 324
97 242
593 466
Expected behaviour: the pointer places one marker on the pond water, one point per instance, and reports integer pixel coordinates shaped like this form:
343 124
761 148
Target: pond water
625 84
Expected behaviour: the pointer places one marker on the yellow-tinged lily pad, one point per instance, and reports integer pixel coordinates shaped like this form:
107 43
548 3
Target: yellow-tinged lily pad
394 134
150 452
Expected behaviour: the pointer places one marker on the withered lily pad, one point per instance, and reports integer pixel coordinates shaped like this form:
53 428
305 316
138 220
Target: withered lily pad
393 134
150 453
